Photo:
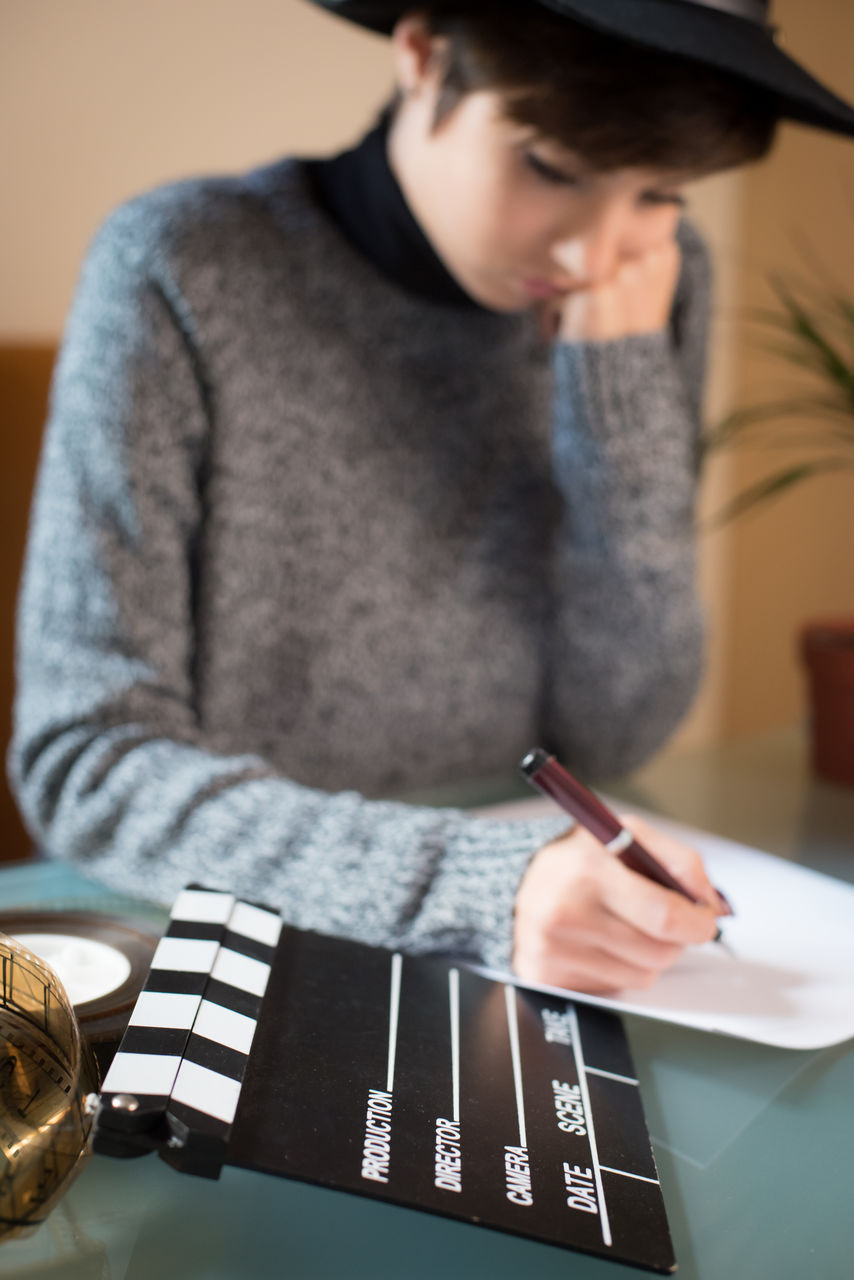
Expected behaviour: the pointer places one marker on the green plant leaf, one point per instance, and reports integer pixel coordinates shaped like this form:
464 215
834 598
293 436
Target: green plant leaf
812 332
773 486
805 358
806 329
737 425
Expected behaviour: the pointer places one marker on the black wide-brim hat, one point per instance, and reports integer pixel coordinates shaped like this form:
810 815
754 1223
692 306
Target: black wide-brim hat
735 36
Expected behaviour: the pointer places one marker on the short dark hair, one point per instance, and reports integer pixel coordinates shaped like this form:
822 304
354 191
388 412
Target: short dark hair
615 102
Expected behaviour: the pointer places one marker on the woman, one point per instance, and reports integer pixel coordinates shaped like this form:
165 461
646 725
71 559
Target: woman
365 474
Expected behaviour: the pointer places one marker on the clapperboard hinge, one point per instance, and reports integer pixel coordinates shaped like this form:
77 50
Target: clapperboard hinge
175 1082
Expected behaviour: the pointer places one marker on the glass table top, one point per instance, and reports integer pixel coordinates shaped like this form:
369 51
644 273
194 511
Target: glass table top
753 1144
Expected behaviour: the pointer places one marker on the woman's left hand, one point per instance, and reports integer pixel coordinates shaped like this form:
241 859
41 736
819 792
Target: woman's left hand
637 299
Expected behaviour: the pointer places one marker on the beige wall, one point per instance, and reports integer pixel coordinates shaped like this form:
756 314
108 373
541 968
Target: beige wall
102 98
794 559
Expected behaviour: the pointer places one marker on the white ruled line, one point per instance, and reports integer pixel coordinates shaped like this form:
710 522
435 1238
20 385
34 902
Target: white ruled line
454 1000
393 1014
578 1053
624 1173
513 1027
610 1075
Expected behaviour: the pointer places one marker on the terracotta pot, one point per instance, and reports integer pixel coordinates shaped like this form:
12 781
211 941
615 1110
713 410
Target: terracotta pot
827 648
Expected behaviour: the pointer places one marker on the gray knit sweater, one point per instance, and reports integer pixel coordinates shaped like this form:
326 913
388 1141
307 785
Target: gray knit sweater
302 539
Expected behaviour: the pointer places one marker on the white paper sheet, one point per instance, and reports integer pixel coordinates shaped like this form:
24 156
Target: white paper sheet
786 977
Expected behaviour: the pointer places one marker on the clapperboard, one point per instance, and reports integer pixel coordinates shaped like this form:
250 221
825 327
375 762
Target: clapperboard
409 1079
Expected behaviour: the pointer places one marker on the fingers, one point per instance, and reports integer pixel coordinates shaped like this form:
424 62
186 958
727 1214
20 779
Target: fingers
597 960
682 861
648 285
585 921
658 913
594 972
636 299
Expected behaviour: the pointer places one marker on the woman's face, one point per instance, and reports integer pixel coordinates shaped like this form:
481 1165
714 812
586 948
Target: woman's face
518 219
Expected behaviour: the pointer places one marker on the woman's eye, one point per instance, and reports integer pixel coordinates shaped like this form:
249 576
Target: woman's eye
549 172
665 197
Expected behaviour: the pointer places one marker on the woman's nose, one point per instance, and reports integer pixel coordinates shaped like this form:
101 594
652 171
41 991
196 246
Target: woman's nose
592 257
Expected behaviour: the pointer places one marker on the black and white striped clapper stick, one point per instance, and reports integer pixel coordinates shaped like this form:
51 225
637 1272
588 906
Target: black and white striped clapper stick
175 1081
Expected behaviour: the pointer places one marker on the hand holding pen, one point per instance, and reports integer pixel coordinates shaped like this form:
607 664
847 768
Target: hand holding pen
597 923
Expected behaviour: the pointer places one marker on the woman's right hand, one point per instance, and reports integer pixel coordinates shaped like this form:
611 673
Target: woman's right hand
586 922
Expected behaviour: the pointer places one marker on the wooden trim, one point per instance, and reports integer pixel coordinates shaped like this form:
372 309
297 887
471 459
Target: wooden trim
25 371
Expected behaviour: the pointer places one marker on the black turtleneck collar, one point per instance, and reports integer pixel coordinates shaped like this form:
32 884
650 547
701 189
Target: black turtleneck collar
359 191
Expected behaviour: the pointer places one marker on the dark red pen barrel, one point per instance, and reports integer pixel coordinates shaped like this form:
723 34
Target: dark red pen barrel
553 780
550 777
636 858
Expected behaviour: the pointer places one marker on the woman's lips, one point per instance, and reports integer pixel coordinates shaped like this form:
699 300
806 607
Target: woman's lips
537 287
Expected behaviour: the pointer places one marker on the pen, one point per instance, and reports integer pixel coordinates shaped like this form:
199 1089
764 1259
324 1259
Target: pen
547 775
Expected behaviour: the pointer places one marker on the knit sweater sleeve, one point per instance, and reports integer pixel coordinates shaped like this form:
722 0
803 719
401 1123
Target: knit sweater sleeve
111 765
626 635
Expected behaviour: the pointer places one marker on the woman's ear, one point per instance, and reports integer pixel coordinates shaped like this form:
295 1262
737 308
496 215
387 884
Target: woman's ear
414 51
